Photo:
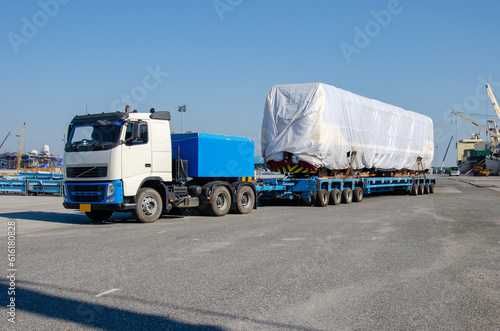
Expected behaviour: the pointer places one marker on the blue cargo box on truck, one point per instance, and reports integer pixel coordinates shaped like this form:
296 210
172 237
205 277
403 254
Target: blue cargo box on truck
214 155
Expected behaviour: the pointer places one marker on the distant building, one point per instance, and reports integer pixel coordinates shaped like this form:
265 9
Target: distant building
33 161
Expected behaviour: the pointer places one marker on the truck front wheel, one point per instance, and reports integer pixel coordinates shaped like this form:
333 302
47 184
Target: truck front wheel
148 205
99 215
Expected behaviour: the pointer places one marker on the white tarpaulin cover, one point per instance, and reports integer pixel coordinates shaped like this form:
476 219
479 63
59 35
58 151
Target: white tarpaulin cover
320 123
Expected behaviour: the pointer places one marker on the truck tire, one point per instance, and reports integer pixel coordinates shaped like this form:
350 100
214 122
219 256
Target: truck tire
314 197
347 195
420 189
245 200
322 198
431 188
220 202
414 189
357 194
426 188
99 215
149 205
335 196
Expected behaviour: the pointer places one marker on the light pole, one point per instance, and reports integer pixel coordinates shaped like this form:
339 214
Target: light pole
182 110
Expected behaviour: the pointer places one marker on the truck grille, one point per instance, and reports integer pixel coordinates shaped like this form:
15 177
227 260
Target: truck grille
86 193
86 172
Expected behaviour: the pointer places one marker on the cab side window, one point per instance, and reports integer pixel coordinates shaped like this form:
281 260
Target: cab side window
144 134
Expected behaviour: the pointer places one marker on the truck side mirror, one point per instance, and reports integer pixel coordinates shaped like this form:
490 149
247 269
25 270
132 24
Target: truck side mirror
136 130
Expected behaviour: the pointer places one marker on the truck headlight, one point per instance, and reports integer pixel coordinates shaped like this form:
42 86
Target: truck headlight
111 189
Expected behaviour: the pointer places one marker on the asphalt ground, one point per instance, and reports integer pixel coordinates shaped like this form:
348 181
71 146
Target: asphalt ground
388 263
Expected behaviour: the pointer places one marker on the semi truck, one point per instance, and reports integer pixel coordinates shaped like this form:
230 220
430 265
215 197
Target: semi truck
331 145
131 162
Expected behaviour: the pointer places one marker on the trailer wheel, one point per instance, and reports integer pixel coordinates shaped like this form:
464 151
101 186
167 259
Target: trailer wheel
322 198
357 194
426 188
335 196
414 189
431 188
347 195
148 205
420 189
314 196
245 200
99 215
220 202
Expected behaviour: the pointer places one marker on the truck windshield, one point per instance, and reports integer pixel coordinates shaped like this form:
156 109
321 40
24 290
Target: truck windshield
87 137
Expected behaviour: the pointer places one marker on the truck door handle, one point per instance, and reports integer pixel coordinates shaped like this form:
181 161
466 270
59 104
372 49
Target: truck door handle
148 165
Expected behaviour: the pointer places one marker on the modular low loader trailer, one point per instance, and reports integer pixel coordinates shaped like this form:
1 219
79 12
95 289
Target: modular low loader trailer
324 191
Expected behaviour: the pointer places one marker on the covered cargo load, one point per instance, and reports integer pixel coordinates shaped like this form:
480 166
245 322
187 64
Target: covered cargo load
319 126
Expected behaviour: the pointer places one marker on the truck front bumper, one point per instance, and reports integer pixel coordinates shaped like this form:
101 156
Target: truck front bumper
90 196
112 206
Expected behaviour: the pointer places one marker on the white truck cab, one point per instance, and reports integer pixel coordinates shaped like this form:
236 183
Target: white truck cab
109 156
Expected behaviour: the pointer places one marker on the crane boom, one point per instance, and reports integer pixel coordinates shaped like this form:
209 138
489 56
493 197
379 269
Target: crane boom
445 153
493 100
493 134
7 136
20 155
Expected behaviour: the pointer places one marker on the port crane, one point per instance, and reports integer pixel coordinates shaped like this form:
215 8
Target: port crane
497 109
20 155
493 130
493 100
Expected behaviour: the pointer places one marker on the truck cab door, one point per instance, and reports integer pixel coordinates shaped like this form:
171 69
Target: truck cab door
136 157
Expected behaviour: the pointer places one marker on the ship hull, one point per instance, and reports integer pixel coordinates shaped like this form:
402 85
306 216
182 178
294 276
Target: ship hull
493 164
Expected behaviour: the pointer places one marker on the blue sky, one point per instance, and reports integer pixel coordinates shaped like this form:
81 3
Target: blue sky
222 57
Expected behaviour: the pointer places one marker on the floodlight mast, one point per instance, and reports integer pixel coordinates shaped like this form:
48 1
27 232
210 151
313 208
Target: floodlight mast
182 110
